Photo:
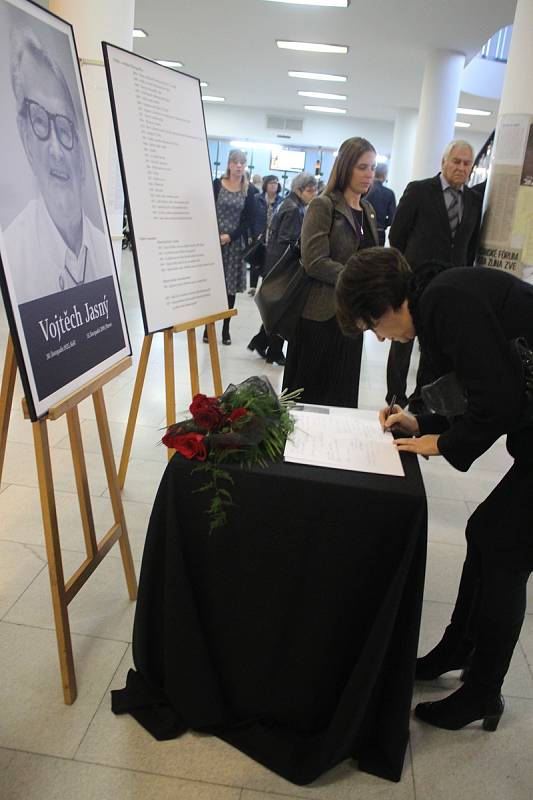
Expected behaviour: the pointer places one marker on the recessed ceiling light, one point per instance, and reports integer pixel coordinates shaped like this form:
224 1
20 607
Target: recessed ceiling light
462 125
331 3
312 47
204 83
242 145
172 64
326 109
210 98
317 76
139 33
473 112
323 95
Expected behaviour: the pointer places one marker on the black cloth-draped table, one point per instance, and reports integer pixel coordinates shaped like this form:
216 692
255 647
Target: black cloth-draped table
292 631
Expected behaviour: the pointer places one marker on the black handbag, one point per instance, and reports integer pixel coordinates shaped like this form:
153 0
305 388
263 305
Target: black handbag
255 253
283 293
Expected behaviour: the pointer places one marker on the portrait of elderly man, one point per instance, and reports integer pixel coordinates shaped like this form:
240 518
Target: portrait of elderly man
51 245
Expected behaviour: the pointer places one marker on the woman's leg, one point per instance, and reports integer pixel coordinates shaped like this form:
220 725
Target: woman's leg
501 533
226 339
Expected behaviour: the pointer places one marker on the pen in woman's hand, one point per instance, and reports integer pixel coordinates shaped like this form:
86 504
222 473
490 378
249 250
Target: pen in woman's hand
390 409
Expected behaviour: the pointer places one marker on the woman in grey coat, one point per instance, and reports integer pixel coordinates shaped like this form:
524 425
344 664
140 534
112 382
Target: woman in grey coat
320 359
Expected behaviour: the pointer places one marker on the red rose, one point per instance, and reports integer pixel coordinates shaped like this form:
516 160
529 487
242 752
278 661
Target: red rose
206 412
237 413
189 445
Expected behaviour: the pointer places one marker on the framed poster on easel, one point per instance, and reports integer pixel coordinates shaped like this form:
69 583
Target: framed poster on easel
58 275
164 159
68 334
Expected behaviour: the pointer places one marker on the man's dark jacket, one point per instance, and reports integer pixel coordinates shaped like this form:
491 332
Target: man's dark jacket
465 320
384 202
421 229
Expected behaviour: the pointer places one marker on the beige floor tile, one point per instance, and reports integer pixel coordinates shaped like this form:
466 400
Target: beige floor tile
146 443
443 571
526 639
480 484
19 468
441 480
20 513
435 617
27 776
496 459
34 716
19 566
473 763
20 430
4 486
121 742
447 521
102 607
142 481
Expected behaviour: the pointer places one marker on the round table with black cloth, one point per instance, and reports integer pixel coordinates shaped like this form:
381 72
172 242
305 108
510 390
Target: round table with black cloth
292 631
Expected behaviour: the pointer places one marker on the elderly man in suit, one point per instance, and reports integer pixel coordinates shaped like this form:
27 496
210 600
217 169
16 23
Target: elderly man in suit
437 219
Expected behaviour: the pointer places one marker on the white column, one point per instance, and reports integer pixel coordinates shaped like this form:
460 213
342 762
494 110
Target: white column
94 22
403 149
438 109
517 97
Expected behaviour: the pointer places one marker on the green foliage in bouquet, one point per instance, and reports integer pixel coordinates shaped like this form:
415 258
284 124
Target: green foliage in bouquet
248 425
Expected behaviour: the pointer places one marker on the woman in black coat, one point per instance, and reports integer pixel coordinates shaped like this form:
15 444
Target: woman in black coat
285 230
468 321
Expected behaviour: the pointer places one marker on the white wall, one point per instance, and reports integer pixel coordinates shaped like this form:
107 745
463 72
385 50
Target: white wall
319 130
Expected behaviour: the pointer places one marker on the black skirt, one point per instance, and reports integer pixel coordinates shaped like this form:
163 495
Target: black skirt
325 363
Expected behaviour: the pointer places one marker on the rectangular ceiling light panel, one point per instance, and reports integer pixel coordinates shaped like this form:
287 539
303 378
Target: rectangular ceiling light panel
312 47
317 76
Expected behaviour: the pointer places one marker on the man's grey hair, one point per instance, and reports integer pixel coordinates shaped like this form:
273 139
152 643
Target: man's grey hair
382 170
457 143
24 41
302 181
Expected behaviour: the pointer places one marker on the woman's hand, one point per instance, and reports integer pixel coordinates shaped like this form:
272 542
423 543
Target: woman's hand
399 421
426 446
225 238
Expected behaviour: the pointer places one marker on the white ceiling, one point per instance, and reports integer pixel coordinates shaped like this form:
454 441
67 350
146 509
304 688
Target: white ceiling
231 44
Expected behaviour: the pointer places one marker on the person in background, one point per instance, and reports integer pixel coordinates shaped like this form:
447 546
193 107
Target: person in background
235 209
285 230
257 182
437 219
265 205
467 321
320 359
383 200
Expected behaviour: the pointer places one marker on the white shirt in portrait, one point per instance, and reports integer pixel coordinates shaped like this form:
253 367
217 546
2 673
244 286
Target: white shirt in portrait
41 263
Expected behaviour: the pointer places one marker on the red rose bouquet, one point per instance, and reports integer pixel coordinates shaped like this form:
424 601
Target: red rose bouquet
248 424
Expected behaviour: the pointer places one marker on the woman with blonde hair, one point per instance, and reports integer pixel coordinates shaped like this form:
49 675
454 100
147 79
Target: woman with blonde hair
338 223
234 200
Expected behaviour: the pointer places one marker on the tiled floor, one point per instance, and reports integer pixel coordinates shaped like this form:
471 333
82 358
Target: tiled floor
49 750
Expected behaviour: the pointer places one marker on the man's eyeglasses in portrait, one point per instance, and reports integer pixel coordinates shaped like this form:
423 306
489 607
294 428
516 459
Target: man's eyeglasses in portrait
41 122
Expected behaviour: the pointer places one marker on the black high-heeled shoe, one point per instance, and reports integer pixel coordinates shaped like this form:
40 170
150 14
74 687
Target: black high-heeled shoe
205 338
226 338
468 704
444 658
258 349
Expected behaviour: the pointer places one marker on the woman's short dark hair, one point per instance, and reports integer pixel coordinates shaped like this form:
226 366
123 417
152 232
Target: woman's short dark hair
372 282
350 152
267 179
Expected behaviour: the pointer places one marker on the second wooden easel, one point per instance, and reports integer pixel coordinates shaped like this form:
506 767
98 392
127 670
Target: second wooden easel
170 391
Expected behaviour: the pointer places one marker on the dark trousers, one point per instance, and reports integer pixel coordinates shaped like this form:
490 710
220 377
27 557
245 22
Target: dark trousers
397 372
491 602
255 274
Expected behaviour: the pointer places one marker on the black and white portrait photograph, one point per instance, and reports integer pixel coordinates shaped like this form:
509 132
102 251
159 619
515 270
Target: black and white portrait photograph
58 267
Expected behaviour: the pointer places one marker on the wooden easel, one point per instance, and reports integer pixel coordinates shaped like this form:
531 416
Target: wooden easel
63 593
170 391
